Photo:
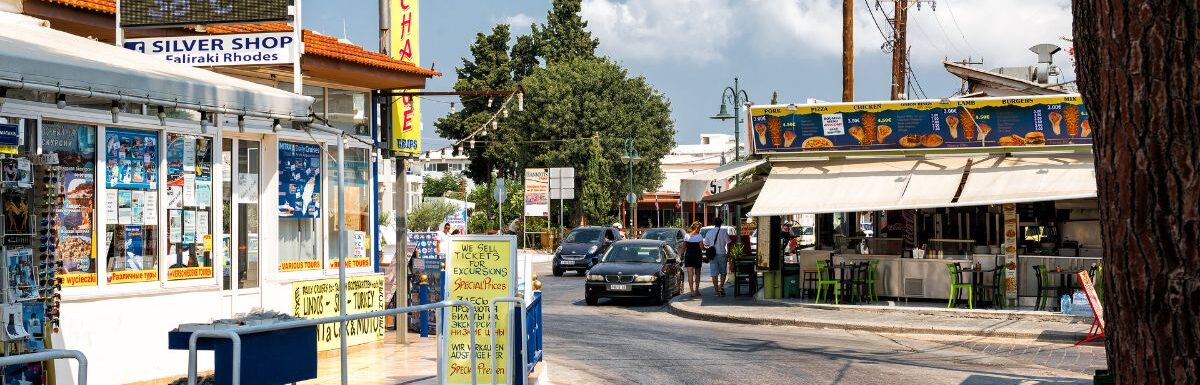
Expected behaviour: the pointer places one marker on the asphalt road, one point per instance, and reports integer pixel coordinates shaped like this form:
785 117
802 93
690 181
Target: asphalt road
631 342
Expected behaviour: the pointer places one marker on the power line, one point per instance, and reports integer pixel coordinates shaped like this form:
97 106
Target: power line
939 47
960 31
947 35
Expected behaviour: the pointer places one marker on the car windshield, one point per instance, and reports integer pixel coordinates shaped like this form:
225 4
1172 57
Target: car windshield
584 236
633 253
660 235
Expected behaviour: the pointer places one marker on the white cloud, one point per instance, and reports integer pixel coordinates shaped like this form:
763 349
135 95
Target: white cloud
808 28
998 32
518 22
662 30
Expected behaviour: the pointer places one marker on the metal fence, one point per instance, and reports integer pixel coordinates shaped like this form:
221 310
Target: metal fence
47 355
533 331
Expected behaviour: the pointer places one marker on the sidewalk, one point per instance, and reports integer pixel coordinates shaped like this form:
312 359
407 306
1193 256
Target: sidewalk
389 363
962 322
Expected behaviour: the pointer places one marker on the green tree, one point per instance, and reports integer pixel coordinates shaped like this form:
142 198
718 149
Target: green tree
439 186
569 103
488 69
524 55
565 37
485 202
596 198
427 216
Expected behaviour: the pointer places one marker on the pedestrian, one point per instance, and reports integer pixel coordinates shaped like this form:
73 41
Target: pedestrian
443 240
693 251
716 244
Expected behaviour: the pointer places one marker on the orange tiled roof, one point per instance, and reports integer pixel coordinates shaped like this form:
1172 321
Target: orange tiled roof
314 43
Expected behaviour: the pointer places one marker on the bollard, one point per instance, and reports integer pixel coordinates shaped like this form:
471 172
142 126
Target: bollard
423 298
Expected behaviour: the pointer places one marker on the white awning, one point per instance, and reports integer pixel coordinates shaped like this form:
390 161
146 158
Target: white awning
696 187
813 187
1018 179
34 56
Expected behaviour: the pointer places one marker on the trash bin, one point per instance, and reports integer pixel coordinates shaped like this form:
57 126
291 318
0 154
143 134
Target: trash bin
791 278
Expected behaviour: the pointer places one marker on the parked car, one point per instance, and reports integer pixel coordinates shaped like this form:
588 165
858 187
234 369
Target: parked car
639 268
582 248
673 237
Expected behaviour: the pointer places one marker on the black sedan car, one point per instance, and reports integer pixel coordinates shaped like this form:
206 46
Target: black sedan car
635 269
582 248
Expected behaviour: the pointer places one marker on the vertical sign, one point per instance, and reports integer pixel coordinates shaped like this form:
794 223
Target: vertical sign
537 192
405 39
478 269
1010 251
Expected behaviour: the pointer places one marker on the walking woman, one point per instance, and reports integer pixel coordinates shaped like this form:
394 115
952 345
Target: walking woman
692 254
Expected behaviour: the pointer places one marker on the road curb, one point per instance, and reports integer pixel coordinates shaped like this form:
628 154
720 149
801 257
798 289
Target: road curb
938 312
702 315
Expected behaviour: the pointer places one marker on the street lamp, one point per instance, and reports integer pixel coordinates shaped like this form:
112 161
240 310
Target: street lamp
734 95
631 156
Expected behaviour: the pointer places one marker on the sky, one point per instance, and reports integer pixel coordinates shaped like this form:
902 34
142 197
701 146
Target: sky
690 50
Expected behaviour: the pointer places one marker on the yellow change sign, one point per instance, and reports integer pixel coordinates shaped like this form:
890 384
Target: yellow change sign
478 269
321 298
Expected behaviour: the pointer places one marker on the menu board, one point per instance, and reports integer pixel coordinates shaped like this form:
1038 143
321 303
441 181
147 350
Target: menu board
921 125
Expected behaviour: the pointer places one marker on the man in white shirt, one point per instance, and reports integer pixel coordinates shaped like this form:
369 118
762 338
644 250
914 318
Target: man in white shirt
443 240
718 239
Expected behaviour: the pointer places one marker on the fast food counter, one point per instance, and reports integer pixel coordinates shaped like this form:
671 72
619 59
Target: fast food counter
915 277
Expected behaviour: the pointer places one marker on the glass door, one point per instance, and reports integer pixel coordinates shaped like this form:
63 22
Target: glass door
241 189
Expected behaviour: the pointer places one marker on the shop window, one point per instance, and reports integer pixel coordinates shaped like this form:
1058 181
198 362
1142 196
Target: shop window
358 208
348 111
69 190
131 205
299 206
240 197
189 207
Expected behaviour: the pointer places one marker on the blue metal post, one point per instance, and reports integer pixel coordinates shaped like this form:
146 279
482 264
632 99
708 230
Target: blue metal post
423 297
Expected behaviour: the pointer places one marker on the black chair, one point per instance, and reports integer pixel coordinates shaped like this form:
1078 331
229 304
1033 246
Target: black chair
995 291
744 273
858 282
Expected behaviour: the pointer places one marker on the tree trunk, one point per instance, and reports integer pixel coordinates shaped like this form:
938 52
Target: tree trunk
1139 72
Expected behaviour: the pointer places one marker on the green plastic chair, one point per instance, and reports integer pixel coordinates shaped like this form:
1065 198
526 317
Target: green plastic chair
956 285
872 271
824 278
1044 286
998 289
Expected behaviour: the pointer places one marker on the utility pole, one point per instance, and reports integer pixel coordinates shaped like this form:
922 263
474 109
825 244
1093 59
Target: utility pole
900 44
847 50
899 47
400 197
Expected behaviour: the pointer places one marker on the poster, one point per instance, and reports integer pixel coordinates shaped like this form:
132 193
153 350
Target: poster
1011 219
34 316
73 145
175 226
16 214
202 223
150 208
299 180
22 282
134 251
537 192
137 206
203 193
320 298
132 159
111 207
189 154
189 226
189 190
479 268
1030 121
124 206
16 171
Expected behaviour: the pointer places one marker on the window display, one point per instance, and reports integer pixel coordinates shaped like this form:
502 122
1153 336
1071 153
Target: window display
189 206
69 153
358 208
299 206
131 161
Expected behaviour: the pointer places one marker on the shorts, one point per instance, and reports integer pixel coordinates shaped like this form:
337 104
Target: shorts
718 265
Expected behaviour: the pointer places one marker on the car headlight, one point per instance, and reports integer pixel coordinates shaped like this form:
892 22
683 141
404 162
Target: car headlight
645 278
558 250
593 249
595 278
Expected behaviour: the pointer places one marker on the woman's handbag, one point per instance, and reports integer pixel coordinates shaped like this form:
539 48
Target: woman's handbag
709 253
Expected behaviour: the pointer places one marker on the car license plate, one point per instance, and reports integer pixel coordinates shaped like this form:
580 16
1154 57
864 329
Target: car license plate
618 287
567 263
